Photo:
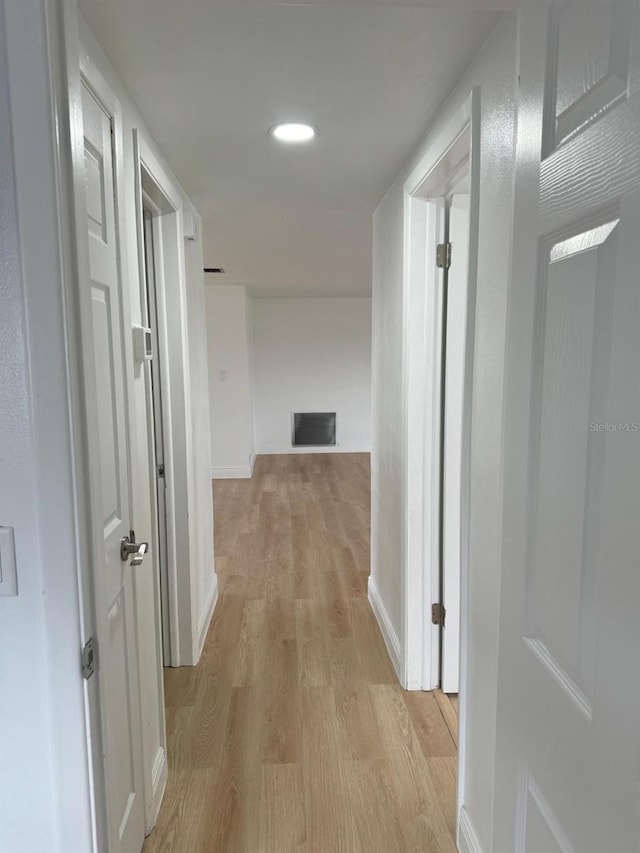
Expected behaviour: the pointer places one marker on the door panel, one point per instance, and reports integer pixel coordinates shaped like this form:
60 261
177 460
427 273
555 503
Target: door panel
589 44
569 375
95 192
118 720
543 832
105 393
112 508
568 734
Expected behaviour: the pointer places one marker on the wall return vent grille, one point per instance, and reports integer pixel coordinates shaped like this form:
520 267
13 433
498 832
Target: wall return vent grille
314 429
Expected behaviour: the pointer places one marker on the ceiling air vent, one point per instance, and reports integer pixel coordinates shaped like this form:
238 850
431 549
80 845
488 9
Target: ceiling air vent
314 429
215 270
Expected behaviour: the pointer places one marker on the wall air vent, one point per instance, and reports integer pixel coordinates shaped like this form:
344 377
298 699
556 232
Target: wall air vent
314 429
215 270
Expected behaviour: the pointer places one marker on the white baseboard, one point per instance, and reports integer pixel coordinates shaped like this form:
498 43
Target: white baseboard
206 619
277 450
243 472
388 633
159 776
467 838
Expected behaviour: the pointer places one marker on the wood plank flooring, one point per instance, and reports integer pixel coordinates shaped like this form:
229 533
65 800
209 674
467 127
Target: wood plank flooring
292 734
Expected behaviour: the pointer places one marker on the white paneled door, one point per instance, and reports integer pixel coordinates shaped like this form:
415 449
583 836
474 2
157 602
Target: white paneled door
568 734
110 477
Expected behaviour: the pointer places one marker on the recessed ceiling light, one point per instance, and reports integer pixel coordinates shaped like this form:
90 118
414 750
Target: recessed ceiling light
292 131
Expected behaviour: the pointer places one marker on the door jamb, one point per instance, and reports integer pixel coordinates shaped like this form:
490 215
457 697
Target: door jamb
143 202
150 216
151 178
421 491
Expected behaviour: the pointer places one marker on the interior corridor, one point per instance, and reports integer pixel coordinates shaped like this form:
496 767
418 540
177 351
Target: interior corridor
292 733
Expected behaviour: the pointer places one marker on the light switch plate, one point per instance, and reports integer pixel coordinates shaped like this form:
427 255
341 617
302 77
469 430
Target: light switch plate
8 569
190 227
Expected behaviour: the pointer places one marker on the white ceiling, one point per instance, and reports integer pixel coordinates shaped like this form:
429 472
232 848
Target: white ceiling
210 78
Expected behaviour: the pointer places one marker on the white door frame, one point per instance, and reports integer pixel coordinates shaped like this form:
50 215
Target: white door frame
152 181
158 408
432 179
453 384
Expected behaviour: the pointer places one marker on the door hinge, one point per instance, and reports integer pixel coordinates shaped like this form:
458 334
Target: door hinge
438 614
160 470
89 658
443 256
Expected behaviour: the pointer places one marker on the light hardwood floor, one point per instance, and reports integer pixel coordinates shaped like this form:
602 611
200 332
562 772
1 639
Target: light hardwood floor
292 735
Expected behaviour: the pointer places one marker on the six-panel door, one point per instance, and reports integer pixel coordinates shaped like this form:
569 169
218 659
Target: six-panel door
568 730
110 471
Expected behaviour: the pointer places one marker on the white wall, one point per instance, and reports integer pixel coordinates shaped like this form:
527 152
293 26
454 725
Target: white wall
44 763
204 588
45 789
230 380
312 355
494 71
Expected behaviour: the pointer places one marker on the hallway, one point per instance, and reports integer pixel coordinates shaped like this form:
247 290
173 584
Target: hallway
292 733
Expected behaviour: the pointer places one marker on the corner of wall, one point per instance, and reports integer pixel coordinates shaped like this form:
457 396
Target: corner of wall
467 838
205 622
243 472
389 635
252 400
